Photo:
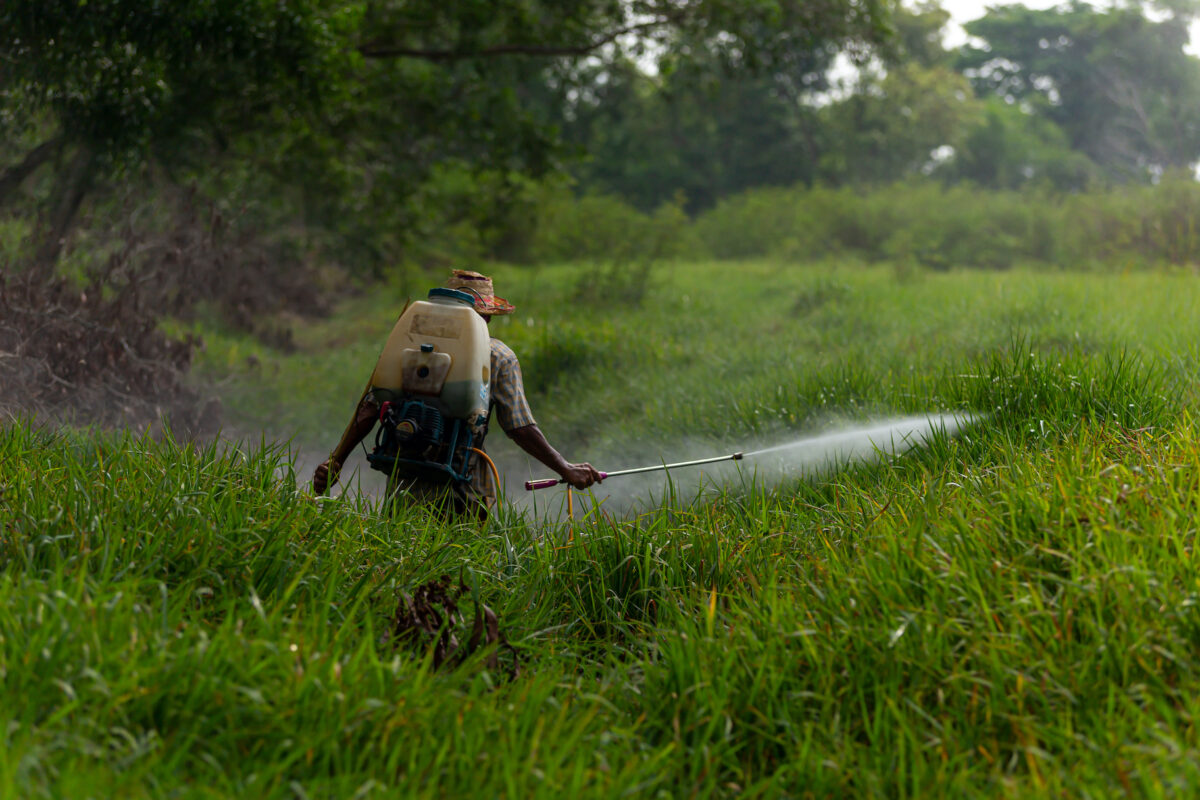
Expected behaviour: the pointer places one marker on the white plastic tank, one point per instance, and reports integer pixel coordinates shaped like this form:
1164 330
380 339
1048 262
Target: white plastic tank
439 348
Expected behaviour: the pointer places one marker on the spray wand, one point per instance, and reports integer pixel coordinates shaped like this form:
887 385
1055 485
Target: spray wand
546 483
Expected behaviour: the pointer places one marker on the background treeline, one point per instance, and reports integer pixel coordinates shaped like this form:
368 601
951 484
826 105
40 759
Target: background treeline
1065 136
372 135
918 223
1069 99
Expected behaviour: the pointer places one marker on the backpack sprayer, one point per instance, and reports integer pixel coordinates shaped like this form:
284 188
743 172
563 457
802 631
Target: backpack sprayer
546 483
432 383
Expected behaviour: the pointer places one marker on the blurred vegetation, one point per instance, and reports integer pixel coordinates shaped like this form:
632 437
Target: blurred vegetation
366 137
384 137
944 227
351 120
1071 98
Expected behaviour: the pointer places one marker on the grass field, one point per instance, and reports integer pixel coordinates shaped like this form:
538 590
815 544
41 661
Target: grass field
1011 612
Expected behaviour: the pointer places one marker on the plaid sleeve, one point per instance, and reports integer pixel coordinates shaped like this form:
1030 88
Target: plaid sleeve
508 389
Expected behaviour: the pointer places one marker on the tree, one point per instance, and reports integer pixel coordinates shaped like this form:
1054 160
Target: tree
353 103
1008 148
1118 83
897 125
918 36
749 33
119 80
694 133
907 114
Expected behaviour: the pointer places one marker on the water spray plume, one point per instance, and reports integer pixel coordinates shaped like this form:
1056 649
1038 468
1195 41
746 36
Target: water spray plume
894 435
903 431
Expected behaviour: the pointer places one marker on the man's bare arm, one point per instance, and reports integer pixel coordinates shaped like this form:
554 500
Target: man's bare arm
531 439
364 420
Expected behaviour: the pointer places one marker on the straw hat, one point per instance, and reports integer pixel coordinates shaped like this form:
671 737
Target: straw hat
486 302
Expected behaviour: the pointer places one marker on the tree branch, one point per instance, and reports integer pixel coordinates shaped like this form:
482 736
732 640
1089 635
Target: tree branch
390 51
15 175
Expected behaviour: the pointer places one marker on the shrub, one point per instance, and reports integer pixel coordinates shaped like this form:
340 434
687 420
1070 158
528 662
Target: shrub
927 223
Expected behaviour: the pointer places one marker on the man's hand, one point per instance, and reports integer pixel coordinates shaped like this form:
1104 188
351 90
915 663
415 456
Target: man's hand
530 439
320 480
581 476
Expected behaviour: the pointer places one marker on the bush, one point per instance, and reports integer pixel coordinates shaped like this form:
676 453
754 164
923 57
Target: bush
927 223
605 229
922 223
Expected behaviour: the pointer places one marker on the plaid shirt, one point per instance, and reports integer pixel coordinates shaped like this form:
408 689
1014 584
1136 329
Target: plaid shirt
508 389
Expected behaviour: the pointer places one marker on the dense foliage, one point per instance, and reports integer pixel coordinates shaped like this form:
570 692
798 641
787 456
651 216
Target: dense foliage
344 109
380 134
1068 97
1117 83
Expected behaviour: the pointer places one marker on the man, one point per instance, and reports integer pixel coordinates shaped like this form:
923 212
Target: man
511 411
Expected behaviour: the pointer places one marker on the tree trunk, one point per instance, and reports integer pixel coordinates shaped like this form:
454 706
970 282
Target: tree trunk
15 175
69 190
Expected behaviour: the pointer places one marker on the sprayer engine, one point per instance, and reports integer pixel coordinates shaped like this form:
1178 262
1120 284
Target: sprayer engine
416 440
413 427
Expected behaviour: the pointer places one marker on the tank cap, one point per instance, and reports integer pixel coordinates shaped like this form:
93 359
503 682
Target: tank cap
452 294
426 348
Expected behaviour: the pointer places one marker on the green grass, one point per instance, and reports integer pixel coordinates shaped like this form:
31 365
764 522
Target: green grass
1008 613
